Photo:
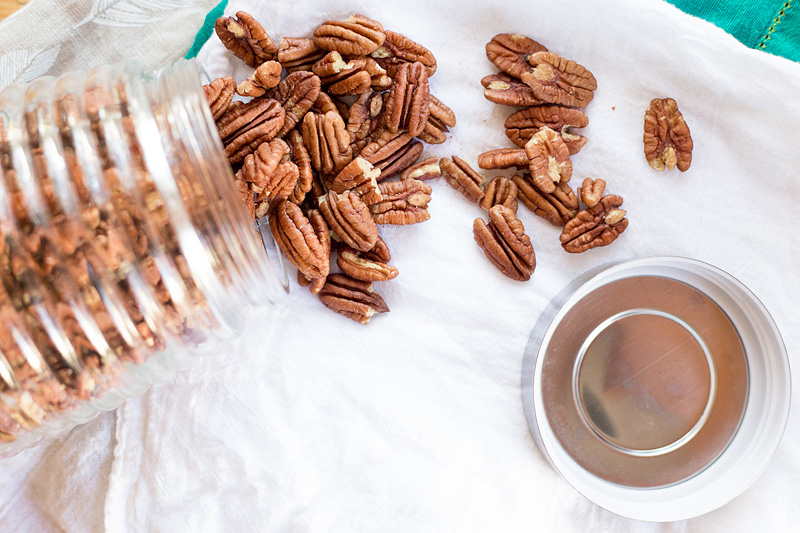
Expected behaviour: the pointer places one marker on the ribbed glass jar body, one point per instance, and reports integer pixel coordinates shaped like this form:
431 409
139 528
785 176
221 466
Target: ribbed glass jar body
124 248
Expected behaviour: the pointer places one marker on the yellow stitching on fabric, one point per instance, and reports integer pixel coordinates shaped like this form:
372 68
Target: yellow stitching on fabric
777 20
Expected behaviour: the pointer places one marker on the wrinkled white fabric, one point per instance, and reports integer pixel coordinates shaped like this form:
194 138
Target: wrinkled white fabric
310 422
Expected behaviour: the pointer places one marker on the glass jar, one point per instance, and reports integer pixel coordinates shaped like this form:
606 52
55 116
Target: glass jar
125 250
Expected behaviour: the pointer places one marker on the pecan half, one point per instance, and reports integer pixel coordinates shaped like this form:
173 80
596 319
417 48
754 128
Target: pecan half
301 158
314 285
505 90
408 105
380 78
509 52
500 191
597 226
591 191
246 39
427 169
548 158
667 140
556 80
356 266
440 120
556 207
270 174
503 158
462 177
404 202
379 252
219 94
361 116
299 53
342 77
266 76
360 176
352 298
327 141
392 153
305 242
349 218
355 36
398 49
505 243
297 93
243 128
521 126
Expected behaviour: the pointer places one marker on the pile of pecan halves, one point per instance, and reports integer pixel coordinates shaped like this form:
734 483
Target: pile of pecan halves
551 91
331 119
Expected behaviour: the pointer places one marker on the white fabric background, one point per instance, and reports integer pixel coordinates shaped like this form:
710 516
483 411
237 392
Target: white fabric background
311 422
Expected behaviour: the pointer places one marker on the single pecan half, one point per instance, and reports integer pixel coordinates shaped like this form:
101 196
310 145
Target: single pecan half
404 202
509 52
219 94
398 49
548 158
297 93
462 177
361 116
556 80
392 153
349 219
379 252
243 128
557 207
503 89
266 76
342 77
299 155
355 265
246 39
521 126
427 169
591 191
667 140
260 169
505 243
299 53
500 191
353 298
314 285
359 175
407 108
596 226
305 242
327 141
380 78
440 120
503 158
355 36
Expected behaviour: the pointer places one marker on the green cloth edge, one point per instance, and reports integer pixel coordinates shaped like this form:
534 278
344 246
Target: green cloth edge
206 29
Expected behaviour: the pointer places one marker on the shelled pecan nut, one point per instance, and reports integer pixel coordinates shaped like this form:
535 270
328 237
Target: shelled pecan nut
314 285
596 226
305 242
325 104
349 218
503 89
407 108
355 299
298 53
342 77
398 49
523 124
427 169
503 158
404 202
361 115
557 207
440 120
380 78
219 94
243 128
500 191
591 191
379 252
327 142
300 156
355 265
667 140
266 76
392 153
258 168
556 80
548 158
297 93
505 243
462 177
246 39
359 175
509 52
355 36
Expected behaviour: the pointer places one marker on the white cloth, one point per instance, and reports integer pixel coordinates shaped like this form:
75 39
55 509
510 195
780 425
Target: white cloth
310 422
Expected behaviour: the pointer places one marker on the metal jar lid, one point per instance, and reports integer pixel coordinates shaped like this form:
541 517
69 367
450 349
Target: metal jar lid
659 388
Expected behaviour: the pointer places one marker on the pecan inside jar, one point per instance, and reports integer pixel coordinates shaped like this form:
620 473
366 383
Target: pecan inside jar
667 140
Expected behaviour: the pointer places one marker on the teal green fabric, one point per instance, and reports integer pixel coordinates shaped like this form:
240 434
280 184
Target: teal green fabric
769 25
206 29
